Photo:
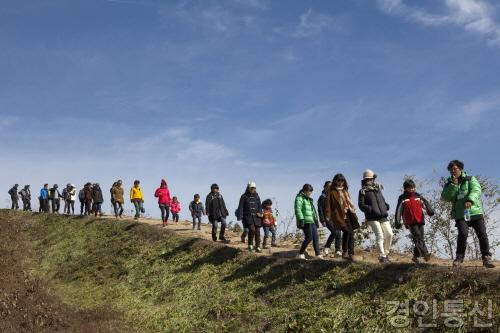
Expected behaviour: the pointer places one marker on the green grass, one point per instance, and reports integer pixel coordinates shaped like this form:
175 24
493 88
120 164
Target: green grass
164 283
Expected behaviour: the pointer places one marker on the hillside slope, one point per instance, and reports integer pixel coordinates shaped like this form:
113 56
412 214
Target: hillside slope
163 282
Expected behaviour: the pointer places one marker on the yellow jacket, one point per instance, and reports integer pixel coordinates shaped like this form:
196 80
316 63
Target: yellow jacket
136 194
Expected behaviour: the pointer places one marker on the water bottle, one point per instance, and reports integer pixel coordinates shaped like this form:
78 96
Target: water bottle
467 215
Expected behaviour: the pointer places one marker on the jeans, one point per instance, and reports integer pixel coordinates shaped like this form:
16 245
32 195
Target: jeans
56 205
383 234
118 208
138 209
272 231
222 221
82 206
254 233
175 217
335 236
311 234
97 208
165 212
348 238
417 233
88 207
199 222
70 207
477 223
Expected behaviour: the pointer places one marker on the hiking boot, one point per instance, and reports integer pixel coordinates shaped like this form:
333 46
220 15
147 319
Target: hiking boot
488 262
383 260
273 244
415 260
250 248
458 261
302 256
427 257
258 250
199 228
264 243
214 238
326 251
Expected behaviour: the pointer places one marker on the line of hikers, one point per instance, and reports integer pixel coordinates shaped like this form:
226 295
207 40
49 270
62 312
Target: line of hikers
335 211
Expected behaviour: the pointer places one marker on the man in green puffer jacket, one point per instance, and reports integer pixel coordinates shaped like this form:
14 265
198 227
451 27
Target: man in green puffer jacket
307 220
464 192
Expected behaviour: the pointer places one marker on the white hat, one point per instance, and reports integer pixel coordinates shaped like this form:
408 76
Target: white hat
252 185
369 174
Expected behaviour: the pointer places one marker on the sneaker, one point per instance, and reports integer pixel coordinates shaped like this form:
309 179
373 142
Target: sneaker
258 250
302 256
320 257
326 251
338 254
415 260
250 248
458 262
225 240
427 257
383 259
488 262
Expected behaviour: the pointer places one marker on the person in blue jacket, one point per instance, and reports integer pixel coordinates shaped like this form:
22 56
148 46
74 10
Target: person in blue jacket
44 199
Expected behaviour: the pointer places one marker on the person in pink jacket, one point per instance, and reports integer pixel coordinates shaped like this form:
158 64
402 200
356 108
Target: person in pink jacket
164 201
175 207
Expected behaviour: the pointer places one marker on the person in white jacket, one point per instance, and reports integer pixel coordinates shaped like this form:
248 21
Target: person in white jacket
71 198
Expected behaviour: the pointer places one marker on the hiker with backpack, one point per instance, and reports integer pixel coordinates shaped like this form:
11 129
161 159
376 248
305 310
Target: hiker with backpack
97 199
175 208
70 199
268 223
341 214
335 234
137 199
87 195
55 198
410 208
250 213
163 195
217 212
117 194
14 197
81 198
464 193
25 194
197 210
64 195
372 202
307 220
44 199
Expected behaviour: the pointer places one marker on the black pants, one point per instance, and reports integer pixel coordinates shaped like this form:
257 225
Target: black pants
97 208
310 234
82 207
348 238
335 236
26 205
44 205
175 217
56 205
118 208
70 207
477 223
15 204
88 205
417 233
165 212
254 233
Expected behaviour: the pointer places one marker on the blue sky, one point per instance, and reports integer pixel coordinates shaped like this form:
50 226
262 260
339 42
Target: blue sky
280 92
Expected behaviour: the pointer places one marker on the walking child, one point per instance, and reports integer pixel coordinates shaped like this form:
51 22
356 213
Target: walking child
197 210
268 223
175 208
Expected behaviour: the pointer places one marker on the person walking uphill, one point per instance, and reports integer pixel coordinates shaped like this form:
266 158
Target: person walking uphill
137 199
376 209
410 209
14 197
216 212
197 210
341 214
118 200
335 234
175 208
163 195
97 199
464 192
307 220
250 213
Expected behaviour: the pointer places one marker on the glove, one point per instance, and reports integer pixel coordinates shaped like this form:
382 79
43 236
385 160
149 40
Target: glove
301 224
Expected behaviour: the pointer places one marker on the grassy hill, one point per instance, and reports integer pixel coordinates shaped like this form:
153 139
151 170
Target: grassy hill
161 282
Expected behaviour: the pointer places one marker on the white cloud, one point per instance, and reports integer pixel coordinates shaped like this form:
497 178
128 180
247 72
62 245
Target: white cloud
476 16
312 23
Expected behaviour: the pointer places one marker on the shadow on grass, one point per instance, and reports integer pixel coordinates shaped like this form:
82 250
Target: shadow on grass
217 257
185 246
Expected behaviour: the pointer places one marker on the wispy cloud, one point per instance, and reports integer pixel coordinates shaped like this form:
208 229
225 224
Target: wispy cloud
312 23
255 4
476 16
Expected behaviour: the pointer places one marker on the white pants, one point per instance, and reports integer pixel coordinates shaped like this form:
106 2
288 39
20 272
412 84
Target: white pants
383 234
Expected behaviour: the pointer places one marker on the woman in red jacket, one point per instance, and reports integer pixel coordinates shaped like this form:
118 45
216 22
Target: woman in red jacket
163 195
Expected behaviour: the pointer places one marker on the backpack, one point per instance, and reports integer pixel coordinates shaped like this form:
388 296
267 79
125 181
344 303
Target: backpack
81 195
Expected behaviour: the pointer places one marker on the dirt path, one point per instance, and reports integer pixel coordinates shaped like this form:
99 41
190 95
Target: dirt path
289 249
27 305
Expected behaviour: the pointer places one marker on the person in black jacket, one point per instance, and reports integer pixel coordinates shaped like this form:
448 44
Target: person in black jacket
55 198
14 196
97 199
335 234
250 213
26 198
217 212
372 202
